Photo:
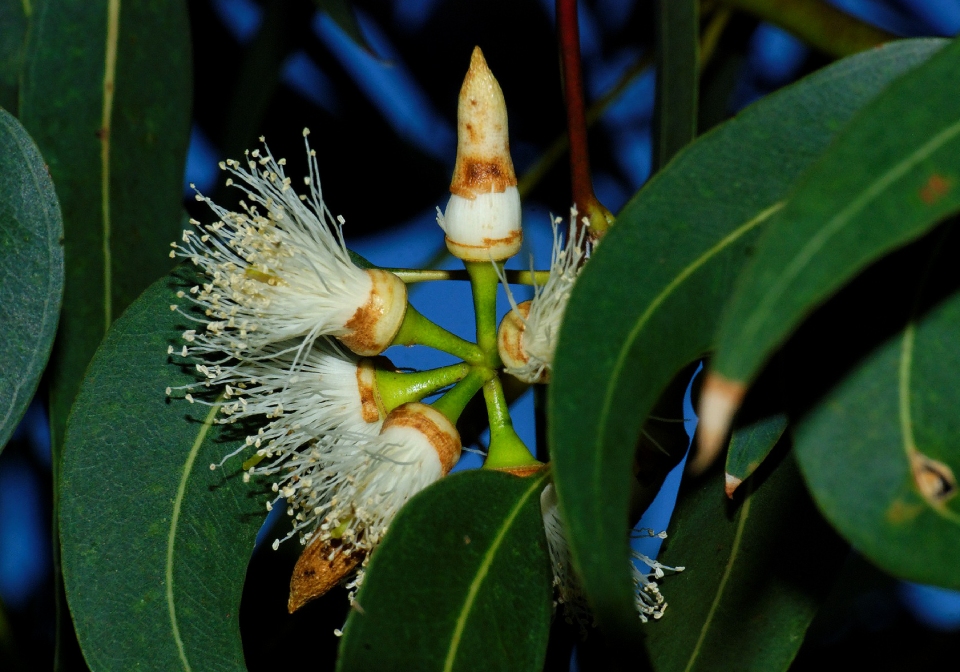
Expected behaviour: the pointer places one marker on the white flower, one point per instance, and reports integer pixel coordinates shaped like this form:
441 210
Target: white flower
527 337
279 270
648 600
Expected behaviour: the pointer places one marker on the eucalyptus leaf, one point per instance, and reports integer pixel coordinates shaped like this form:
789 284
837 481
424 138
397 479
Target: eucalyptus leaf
751 585
31 270
649 300
889 178
106 90
154 543
678 70
749 447
461 582
880 449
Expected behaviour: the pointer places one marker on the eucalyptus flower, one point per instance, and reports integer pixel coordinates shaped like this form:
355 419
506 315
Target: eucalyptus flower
527 337
648 600
279 269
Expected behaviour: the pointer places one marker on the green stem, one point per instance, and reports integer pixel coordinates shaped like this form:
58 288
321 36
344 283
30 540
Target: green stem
418 330
414 275
507 450
395 387
453 402
484 282
818 24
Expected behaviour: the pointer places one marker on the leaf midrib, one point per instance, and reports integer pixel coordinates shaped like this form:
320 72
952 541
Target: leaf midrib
760 315
481 574
172 535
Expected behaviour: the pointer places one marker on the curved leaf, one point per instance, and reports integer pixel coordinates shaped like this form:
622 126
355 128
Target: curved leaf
31 270
750 588
648 301
155 544
749 447
106 93
879 451
461 582
891 175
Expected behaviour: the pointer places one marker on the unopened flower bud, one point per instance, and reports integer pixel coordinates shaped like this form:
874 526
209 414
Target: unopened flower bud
482 219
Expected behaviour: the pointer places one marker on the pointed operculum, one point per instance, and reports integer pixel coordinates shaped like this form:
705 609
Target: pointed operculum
431 425
719 401
730 484
376 322
316 573
482 219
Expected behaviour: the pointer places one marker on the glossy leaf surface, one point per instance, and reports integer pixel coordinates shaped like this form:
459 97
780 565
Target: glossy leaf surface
155 544
751 586
31 270
880 451
649 300
891 176
750 445
461 582
678 69
106 95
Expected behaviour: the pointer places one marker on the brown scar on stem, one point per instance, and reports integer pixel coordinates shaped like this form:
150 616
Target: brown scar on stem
934 479
314 574
936 188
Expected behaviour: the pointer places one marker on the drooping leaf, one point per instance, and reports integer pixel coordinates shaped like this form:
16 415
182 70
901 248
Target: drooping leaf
880 450
751 585
648 301
106 95
461 582
31 270
872 192
749 447
155 543
14 19
678 70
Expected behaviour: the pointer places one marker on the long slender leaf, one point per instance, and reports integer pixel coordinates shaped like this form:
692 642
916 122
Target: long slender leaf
750 589
648 301
879 451
678 70
106 95
749 447
890 177
31 270
155 544
462 582
14 19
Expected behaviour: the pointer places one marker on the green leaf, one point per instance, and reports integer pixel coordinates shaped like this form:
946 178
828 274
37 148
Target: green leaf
106 95
749 447
461 582
892 174
31 270
756 571
648 301
155 544
14 18
678 71
879 451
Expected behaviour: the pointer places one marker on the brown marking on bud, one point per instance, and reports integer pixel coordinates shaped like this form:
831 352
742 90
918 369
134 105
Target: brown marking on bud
483 150
434 425
374 325
731 483
523 472
490 248
936 188
370 408
719 401
934 479
315 574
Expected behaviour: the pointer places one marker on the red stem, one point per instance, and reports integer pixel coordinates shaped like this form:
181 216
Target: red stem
568 31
